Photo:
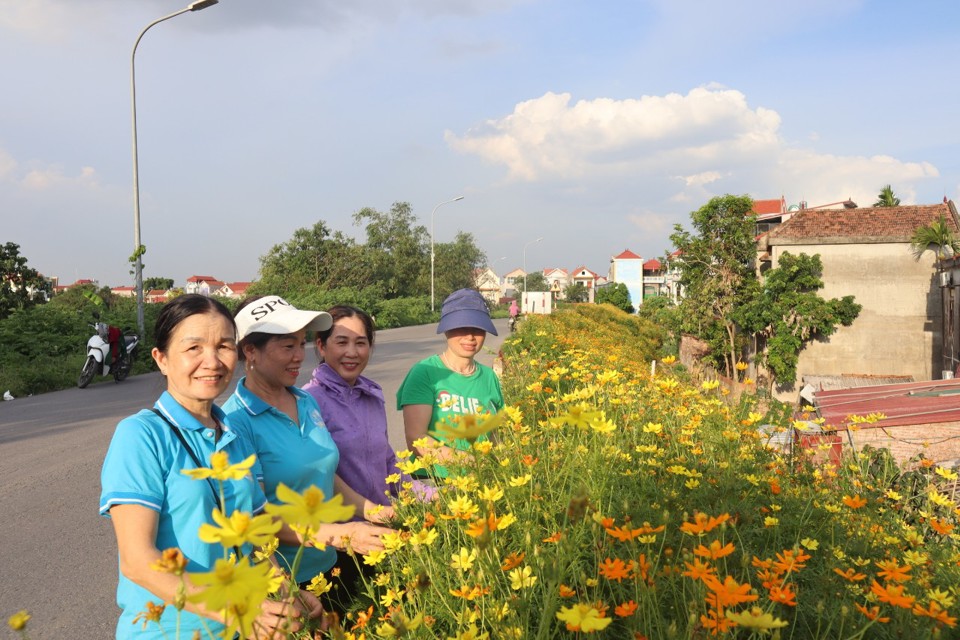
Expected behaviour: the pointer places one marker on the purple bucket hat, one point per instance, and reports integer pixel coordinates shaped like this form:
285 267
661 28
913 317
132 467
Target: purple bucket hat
465 308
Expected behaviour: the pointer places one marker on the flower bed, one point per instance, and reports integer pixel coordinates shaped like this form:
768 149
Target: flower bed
630 506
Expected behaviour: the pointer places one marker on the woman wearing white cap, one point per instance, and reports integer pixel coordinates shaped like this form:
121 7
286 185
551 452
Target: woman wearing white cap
452 383
285 427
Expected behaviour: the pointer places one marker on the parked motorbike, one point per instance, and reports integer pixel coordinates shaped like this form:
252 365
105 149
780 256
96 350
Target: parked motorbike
513 323
100 353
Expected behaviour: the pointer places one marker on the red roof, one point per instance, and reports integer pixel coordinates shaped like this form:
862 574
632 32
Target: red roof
866 224
652 265
202 279
627 255
761 207
910 403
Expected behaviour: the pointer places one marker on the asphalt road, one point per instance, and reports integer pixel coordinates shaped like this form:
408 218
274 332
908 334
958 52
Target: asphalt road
57 554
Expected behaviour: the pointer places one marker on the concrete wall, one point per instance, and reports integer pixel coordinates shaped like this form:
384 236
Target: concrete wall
630 273
897 331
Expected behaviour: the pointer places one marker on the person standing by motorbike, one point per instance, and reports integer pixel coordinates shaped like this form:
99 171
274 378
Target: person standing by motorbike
514 313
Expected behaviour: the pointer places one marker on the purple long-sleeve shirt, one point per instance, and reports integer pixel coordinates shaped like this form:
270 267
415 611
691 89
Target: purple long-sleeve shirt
356 417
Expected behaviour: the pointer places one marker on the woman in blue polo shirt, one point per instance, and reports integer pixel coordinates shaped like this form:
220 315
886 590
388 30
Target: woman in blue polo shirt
284 425
152 505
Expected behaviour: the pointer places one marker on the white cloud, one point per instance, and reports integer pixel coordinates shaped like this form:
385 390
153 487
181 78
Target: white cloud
706 142
49 178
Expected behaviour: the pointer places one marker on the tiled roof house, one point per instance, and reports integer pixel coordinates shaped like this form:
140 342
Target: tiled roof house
866 253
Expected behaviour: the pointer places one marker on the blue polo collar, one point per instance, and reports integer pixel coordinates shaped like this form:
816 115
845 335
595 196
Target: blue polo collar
183 419
254 405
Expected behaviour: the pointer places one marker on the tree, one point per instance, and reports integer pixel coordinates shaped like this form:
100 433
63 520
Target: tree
576 292
455 264
535 281
937 237
717 271
21 286
788 313
314 259
400 249
163 284
615 293
886 198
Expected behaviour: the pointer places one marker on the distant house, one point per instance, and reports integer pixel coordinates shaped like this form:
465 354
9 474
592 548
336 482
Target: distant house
235 290
204 285
510 282
124 292
627 268
60 288
156 296
866 253
487 282
588 279
558 280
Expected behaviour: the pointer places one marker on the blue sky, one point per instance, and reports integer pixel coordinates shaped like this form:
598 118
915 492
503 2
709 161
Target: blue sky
596 125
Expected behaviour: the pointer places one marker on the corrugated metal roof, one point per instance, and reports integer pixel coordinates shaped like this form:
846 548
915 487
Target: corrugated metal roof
910 403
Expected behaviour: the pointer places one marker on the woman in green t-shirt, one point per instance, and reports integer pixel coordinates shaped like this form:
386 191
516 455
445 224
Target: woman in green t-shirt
450 384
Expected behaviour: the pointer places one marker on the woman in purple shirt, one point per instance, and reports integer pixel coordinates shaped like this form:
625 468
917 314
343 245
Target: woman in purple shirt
352 407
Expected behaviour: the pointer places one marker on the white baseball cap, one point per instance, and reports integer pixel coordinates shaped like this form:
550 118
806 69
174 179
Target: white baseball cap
273 314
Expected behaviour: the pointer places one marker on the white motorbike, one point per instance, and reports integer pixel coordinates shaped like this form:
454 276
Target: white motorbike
100 359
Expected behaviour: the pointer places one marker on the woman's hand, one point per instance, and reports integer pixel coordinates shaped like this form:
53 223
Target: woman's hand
363 537
277 619
377 513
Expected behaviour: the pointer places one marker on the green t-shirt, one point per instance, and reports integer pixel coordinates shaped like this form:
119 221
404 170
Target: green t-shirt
451 394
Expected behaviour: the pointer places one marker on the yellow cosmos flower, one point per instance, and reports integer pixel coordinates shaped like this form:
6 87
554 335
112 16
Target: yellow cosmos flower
483 447
236 589
409 467
239 529
810 544
653 427
584 618
755 618
470 426
770 521
19 620
221 469
490 494
578 415
522 578
374 557
424 537
309 510
519 481
710 385
470 633
668 359
463 561
461 507
392 541
939 499
399 625
393 478
172 561
603 426
507 520
319 585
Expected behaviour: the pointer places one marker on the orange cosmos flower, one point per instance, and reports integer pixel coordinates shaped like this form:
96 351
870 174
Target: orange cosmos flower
614 569
626 609
791 560
761 564
769 578
698 570
566 592
784 595
941 526
935 611
849 575
363 617
873 613
892 594
715 551
641 567
529 460
775 487
702 523
727 593
607 522
554 538
623 533
716 623
429 520
513 561
891 571
854 502
470 593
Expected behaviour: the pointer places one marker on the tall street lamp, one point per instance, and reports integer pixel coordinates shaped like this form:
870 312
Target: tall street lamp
525 262
432 306
137 246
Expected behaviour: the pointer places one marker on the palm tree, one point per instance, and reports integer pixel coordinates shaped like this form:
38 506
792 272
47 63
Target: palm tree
936 237
886 198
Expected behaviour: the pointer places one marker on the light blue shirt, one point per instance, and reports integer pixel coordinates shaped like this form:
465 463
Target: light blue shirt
143 467
298 455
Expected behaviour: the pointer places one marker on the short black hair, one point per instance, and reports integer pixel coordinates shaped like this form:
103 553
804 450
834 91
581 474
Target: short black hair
181 308
346 311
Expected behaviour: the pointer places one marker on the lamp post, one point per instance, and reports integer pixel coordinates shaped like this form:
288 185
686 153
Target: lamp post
432 306
137 246
525 264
